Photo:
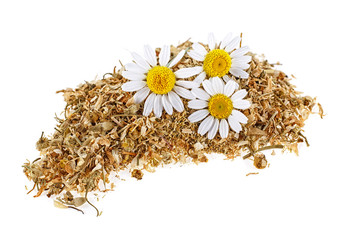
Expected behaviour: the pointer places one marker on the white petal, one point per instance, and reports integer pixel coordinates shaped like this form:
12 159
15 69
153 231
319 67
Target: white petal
236 84
226 40
150 55
166 104
164 55
199 79
223 128
240 52
177 59
211 41
244 59
133 76
241 104
133 86
199 48
147 108
227 79
206 125
230 87
238 72
234 124
212 132
208 87
233 44
218 85
240 117
158 106
244 75
241 62
141 95
183 92
200 93
197 104
133 67
198 115
196 56
175 100
187 84
240 65
188 72
240 94
140 61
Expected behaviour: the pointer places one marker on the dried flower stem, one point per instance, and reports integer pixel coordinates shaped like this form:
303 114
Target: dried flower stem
76 209
87 200
306 141
32 188
262 149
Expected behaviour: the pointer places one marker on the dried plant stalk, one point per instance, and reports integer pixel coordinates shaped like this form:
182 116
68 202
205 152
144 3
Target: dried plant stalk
103 132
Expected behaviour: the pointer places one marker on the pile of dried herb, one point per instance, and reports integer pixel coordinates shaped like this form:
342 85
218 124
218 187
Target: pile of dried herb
103 132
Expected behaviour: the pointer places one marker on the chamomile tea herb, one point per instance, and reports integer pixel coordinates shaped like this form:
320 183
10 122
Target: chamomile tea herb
107 129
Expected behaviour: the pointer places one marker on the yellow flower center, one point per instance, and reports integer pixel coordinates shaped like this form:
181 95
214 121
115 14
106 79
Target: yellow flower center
217 63
220 106
160 80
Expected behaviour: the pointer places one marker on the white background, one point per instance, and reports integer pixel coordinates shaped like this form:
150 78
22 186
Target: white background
48 46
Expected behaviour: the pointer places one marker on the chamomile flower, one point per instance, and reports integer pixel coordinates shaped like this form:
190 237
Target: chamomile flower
217 106
223 58
154 80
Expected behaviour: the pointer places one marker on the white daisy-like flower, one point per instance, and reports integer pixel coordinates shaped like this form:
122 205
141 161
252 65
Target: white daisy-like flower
223 58
156 81
217 105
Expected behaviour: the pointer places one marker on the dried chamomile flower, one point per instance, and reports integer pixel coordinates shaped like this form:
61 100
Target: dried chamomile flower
218 103
157 77
223 58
